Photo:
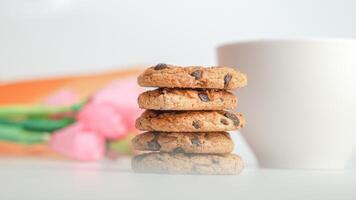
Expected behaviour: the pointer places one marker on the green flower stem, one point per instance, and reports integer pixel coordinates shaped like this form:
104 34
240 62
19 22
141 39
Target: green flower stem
23 111
19 135
47 125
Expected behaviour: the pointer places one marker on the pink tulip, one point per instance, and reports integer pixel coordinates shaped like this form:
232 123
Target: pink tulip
122 94
78 143
103 119
110 114
119 92
63 97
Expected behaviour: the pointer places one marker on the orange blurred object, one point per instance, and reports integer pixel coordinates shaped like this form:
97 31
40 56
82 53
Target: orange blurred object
14 149
33 91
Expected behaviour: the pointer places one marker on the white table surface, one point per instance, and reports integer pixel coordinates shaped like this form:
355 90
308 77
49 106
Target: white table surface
45 179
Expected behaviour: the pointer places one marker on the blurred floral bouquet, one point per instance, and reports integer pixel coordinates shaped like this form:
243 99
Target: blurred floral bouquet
89 129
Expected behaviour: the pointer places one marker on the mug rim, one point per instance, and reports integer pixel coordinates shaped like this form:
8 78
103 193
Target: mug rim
289 40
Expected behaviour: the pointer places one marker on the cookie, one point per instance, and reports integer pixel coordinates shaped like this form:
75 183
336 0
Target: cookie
208 142
187 99
189 121
170 76
180 163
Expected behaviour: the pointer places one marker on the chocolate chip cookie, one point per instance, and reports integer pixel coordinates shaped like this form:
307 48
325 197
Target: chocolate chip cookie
189 121
181 163
187 99
170 76
203 142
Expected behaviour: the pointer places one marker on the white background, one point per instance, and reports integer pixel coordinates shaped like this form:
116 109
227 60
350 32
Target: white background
51 37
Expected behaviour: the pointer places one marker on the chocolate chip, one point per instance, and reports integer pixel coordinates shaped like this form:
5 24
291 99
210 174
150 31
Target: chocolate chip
197 74
153 144
215 161
227 80
196 124
203 96
139 158
158 112
189 155
224 121
233 118
160 66
178 150
195 141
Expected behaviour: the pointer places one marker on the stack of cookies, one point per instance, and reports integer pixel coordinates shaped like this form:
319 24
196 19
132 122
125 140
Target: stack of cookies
186 120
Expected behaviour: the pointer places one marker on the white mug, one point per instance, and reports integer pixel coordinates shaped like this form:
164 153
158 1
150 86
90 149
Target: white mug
300 101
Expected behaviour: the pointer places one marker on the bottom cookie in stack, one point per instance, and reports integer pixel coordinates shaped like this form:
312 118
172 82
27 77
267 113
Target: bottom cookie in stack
186 153
183 163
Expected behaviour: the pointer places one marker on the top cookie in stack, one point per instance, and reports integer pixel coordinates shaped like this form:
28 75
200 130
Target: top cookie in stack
186 118
170 76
